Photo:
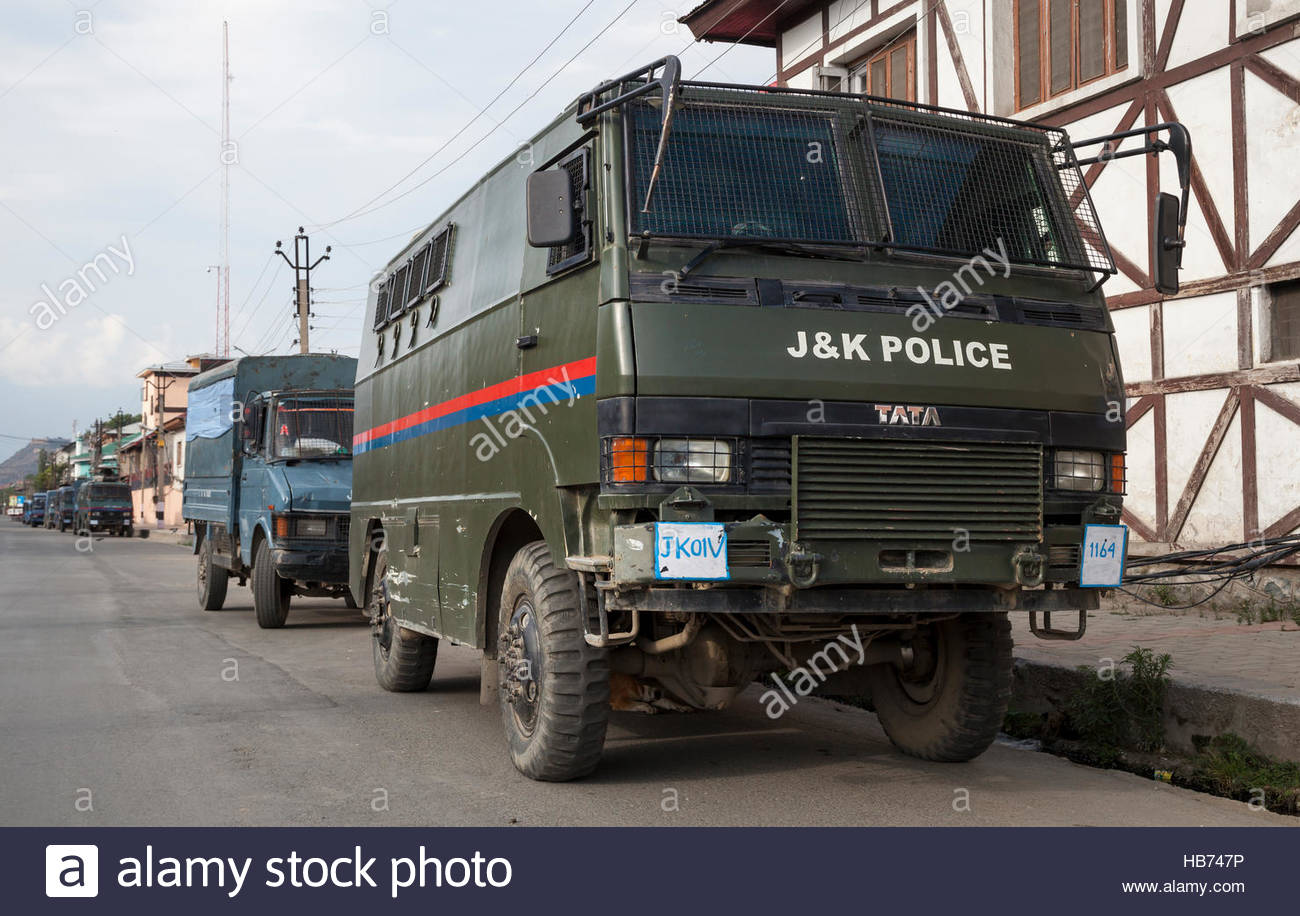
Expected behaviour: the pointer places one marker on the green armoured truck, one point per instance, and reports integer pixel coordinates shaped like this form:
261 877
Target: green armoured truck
714 381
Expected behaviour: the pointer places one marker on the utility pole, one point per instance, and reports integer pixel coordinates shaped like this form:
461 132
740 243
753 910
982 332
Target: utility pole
302 267
228 155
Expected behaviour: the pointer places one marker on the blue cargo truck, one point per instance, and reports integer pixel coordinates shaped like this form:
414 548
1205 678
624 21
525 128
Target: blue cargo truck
268 479
35 514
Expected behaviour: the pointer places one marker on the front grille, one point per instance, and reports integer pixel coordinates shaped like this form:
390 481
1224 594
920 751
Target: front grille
749 553
769 464
1063 557
908 491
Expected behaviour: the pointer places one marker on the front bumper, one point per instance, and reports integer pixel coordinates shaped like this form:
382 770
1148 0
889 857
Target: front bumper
767 570
326 564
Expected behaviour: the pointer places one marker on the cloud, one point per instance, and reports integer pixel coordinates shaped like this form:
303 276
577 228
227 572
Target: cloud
82 348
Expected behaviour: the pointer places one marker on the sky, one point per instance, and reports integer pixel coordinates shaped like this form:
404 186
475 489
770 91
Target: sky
111 153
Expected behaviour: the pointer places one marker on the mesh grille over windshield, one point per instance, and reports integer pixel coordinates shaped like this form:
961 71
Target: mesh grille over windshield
806 167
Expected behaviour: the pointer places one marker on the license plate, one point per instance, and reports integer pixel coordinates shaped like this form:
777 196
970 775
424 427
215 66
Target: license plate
690 550
1104 547
93 522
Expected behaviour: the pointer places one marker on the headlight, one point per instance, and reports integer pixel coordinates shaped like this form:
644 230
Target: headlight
312 527
1081 471
692 460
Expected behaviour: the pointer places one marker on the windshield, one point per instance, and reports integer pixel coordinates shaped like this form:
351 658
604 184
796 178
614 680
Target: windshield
733 172
312 426
838 170
114 495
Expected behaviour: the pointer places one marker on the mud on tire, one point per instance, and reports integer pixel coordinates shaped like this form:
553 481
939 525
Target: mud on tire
950 703
556 707
404 659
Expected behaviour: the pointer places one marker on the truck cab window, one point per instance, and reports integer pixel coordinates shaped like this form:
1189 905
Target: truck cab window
312 427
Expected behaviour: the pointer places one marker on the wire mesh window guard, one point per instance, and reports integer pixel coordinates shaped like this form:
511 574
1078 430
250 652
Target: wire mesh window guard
823 168
439 260
425 273
397 300
562 257
381 304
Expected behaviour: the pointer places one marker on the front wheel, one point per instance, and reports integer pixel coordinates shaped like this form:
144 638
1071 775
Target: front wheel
404 659
213 580
948 703
554 687
271 593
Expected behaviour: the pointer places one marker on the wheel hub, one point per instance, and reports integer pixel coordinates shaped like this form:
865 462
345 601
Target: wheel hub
520 664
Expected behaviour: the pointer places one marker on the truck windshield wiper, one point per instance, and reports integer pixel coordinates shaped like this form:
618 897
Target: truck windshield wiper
787 248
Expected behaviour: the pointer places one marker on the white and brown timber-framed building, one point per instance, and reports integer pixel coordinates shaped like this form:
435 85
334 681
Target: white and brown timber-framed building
1213 373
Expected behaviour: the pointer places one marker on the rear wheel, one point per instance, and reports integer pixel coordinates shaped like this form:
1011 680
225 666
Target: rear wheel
271 593
949 702
554 687
404 659
213 580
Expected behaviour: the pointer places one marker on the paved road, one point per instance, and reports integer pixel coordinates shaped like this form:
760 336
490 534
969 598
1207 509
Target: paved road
113 681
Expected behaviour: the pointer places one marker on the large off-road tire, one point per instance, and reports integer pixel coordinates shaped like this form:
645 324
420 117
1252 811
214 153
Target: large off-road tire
554 687
271 594
949 703
404 659
213 580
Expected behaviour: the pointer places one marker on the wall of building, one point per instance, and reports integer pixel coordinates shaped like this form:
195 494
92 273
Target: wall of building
1214 422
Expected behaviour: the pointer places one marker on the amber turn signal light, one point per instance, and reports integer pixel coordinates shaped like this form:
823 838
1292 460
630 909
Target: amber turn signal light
1117 472
630 459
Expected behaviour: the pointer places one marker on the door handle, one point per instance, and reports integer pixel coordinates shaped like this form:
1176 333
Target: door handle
527 342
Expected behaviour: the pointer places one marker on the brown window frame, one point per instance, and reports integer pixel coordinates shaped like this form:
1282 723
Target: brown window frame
861 68
1110 50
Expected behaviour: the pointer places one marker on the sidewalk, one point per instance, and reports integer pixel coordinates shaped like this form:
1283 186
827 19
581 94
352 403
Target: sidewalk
177 536
1227 676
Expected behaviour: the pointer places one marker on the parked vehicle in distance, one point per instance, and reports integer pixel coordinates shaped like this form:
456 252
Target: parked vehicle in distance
103 506
66 498
35 515
268 479
703 397
51 509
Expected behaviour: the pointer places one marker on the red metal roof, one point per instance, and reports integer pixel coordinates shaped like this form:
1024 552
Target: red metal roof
750 22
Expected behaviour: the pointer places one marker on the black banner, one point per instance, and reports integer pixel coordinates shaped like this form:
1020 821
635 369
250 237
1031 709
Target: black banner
627 871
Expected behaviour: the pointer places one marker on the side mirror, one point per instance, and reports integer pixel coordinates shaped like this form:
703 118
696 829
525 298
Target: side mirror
552 211
1166 246
251 430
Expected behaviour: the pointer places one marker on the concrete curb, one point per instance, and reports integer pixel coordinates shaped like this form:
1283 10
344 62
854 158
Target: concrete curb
1270 725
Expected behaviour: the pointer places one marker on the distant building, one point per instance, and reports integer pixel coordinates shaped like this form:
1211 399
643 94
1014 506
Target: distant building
153 460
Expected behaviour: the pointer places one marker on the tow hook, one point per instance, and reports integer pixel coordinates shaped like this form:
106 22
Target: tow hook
1028 566
803 565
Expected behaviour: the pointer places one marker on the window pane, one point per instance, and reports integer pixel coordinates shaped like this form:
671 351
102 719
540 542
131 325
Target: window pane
959 192
1092 39
734 171
1121 34
1060 43
879 82
1027 49
898 82
1286 320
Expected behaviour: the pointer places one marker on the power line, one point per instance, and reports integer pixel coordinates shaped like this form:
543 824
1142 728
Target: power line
482 112
480 140
252 289
258 308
